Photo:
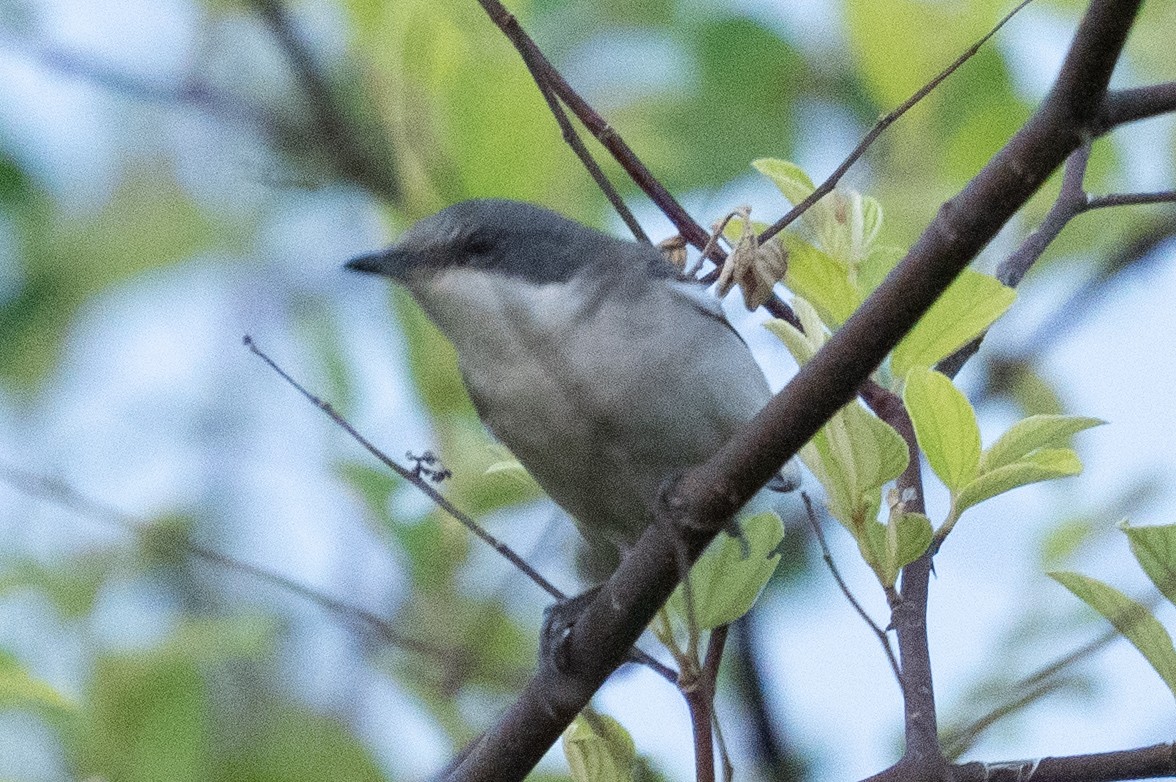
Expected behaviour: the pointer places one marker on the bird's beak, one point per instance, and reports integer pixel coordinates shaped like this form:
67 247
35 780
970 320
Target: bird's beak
389 263
372 264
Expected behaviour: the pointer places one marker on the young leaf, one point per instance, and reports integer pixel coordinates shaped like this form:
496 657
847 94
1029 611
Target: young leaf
945 426
1155 549
847 224
875 266
910 535
727 583
1042 465
1130 618
788 177
802 346
1036 431
890 547
599 749
967 308
853 456
821 279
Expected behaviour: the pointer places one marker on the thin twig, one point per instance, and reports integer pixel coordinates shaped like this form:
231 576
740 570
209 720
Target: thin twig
960 741
342 140
1072 201
1131 199
881 125
65 496
545 73
594 170
411 476
827 555
1041 682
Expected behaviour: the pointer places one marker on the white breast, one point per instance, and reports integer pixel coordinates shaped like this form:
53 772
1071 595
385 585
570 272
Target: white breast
600 393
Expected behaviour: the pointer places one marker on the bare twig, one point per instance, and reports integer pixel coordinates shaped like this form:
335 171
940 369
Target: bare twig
65 496
1072 201
412 477
1037 685
341 138
881 125
420 481
573 140
545 73
827 555
960 741
1131 199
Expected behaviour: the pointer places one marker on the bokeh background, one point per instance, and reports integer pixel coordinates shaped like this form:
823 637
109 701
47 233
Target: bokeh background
168 184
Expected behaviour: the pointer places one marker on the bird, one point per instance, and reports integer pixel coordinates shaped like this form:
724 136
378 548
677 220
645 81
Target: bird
602 368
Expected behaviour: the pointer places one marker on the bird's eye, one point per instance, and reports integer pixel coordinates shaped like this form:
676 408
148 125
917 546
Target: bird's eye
478 244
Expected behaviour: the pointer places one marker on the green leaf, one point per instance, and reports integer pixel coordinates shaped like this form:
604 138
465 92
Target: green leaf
892 546
1043 465
909 537
847 224
725 582
788 177
1036 431
1155 549
945 426
875 266
853 456
1130 618
802 345
821 279
969 306
599 749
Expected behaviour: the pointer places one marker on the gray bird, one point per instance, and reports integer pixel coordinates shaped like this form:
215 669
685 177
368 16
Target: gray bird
591 358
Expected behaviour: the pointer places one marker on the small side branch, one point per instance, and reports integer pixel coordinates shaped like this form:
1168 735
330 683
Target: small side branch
1123 106
412 476
547 77
880 126
1151 762
827 555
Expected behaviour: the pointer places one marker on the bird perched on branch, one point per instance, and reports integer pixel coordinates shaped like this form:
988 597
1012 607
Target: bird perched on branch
591 358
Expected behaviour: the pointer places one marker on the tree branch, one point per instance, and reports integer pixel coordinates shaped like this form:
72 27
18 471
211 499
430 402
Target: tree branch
1143 763
341 139
544 73
702 501
1123 106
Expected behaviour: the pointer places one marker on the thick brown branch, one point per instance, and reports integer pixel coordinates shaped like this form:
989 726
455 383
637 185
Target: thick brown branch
1123 106
1143 763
